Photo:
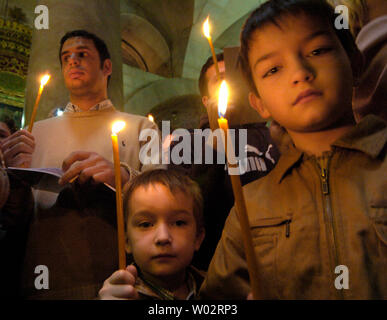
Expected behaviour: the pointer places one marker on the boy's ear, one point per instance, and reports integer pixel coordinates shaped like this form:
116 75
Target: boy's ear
107 67
199 239
257 104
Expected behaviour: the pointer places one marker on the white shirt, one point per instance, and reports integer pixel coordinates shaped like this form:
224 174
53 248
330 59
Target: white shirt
99 106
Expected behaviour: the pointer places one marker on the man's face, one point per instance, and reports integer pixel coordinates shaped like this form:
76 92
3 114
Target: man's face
4 131
302 74
81 67
162 231
213 83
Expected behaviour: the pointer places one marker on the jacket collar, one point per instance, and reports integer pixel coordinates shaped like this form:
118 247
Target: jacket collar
368 136
286 162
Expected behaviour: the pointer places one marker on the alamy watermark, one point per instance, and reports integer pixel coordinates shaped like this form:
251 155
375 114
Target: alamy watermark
42 20
42 280
342 280
342 21
199 147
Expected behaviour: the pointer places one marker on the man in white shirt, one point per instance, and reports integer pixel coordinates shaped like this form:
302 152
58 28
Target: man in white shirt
73 234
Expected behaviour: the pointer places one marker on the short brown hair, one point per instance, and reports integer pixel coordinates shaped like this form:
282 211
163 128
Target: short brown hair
174 180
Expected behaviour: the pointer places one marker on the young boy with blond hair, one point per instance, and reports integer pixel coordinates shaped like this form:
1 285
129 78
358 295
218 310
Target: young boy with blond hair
319 219
164 228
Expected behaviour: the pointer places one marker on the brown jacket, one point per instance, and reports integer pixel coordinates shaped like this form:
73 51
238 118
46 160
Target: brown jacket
308 216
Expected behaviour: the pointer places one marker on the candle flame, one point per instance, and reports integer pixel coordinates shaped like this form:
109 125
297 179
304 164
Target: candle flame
44 79
223 97
151 118
206 28
117 126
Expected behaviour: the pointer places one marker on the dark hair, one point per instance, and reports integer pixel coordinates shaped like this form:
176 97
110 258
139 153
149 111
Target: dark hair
272 11
174 180
203 81
99 44
9 122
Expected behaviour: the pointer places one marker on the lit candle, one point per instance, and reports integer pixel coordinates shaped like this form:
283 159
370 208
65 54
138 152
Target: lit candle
240 203
117 127
43 81
206 31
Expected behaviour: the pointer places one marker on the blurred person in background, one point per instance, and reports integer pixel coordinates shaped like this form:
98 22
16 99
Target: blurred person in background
368 24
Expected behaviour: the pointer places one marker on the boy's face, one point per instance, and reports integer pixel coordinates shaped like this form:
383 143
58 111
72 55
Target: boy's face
162 231
302 73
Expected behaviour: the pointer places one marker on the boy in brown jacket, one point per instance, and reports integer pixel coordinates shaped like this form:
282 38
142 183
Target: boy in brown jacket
319 219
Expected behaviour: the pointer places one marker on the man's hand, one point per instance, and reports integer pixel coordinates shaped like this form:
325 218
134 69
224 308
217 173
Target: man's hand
120 285
18 148
90 165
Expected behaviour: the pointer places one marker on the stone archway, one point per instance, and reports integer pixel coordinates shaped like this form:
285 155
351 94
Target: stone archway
143 46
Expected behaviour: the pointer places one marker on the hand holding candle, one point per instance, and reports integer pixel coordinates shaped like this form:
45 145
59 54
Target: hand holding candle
117 127
240 204
43 81
206 31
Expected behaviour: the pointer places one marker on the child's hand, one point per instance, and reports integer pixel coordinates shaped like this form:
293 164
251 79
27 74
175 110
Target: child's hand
120 285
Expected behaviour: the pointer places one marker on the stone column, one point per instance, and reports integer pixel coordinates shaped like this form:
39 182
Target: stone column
101 17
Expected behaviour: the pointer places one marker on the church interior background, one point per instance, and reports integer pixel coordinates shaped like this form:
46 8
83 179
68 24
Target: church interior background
157 48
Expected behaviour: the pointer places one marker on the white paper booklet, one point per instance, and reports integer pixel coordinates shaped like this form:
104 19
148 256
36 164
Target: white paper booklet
42 178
